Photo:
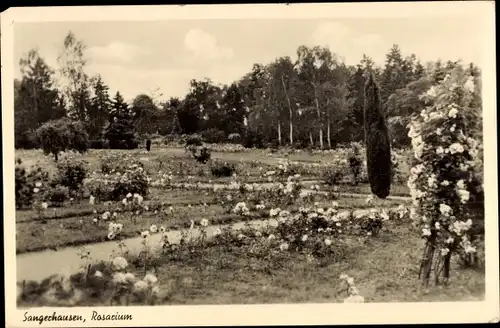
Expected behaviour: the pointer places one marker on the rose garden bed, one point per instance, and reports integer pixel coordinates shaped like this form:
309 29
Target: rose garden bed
231 269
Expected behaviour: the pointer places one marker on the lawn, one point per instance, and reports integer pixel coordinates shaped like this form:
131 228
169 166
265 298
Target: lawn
177 161
249 165
396 190
384 268
73 225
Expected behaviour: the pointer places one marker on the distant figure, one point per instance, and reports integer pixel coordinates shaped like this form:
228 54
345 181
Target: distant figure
148 145
355 163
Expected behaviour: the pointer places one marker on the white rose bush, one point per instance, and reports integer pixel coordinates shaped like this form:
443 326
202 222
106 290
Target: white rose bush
443 182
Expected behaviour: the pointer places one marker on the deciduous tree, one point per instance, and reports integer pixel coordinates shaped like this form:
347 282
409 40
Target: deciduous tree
74 80
63 134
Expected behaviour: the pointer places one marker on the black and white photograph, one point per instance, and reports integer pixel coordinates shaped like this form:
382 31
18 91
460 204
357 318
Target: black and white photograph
240 162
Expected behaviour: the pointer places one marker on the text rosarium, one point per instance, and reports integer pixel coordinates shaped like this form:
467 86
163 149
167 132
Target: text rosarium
110 317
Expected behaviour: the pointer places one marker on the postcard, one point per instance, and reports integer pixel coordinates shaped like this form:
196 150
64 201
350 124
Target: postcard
274 164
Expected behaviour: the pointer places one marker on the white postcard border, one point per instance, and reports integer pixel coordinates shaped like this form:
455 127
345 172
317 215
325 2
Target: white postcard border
290 314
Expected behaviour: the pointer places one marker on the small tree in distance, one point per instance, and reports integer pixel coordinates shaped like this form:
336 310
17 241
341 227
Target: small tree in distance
60 135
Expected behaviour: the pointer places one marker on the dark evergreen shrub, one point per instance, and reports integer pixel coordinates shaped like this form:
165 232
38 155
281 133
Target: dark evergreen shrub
253 139
58 195
219 169
121 134
200 154
194 140
378 147
213 136
25 139
123 144
96 144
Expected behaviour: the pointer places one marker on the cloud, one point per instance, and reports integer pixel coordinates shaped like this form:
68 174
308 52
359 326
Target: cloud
132 82
227 73
330 32
349 45
204 45
368 40
115 52
171 82
374 45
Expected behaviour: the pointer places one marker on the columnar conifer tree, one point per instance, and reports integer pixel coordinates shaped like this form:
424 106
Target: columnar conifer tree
378 148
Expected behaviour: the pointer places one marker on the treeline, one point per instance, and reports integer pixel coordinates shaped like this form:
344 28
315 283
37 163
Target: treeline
315 101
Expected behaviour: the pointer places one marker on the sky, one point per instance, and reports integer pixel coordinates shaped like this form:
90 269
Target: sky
140 57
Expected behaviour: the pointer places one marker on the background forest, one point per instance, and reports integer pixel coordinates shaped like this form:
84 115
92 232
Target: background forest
314 102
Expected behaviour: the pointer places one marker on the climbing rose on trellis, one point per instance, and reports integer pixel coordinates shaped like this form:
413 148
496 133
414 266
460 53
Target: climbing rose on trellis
442 180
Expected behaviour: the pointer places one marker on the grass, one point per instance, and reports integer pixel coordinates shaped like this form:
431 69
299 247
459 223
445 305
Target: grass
384 268
246 179
179 163
83 208
172 160
35 236
172 198
72 226
396 190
